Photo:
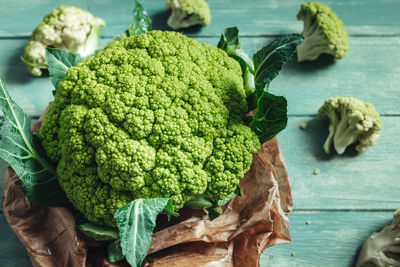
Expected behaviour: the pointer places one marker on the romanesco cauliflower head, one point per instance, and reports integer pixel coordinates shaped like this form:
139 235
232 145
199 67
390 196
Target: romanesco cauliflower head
186 13
152 115
351 121
324 33
382 249
66 27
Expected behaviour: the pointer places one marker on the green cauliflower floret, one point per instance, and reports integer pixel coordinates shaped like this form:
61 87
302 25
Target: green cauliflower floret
66 27
351 121
152 115
382 249
324 33
186 13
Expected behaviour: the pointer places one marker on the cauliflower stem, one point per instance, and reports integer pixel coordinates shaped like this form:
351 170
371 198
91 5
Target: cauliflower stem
187 13
323 31
382 249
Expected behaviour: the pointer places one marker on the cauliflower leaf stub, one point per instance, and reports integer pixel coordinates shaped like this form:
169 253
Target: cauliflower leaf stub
149 116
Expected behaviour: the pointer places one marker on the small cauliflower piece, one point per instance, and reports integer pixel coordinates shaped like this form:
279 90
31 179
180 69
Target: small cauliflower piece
152 115
324 33
382 249
351 121
66 27
186 13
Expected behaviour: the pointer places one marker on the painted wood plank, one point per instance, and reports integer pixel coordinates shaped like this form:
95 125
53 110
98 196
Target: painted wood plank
370 72
353 180
261 17
332 239
12 252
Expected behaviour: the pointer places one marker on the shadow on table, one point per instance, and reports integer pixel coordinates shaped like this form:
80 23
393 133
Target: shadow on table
317 131
16 72
322 63
365 237
159 21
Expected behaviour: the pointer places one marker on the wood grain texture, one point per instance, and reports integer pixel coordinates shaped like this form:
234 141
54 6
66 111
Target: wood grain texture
369 72
262 17
350 181
332 239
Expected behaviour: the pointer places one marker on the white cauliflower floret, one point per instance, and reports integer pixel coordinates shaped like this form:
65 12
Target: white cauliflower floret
186 13
66 27
351 121
382 249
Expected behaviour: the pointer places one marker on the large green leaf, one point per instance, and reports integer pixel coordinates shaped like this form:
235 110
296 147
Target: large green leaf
136 221
59 61
269 60
141 22
271 116
39 177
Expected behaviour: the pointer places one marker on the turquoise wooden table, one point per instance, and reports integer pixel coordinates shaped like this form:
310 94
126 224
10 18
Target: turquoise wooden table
354 195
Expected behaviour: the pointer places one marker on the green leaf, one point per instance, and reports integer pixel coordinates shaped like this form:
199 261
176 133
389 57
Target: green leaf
59 61
114 252
170 211
141 22
271 116
136 221
238 191
235 193
229 42
99 233
269 60
39 177
214 213
199 202
33 64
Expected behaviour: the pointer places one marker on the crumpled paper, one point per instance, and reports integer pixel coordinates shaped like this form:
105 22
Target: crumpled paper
248 224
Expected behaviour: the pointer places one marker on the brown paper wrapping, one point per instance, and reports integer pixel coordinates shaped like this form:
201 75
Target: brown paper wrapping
247 226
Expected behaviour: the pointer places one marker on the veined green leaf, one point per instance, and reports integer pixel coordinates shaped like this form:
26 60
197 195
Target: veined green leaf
99 233
269 60
59 61
271 116
136 221
39 177
141 22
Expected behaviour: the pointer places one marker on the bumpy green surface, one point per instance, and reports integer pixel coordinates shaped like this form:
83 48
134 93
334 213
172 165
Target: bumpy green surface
154 115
